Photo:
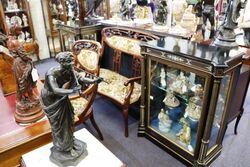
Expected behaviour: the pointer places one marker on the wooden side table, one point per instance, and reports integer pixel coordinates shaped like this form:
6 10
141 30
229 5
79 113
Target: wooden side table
237 109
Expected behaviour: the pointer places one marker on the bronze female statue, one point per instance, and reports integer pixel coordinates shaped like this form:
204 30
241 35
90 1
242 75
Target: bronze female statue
162 12
92 6
28 108
208 13
59 83
226 36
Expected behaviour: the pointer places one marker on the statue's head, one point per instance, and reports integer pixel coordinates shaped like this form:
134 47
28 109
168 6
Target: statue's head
66 59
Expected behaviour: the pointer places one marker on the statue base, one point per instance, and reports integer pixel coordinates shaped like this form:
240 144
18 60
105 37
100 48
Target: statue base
29 115
69 158
98 154
225 43
226 38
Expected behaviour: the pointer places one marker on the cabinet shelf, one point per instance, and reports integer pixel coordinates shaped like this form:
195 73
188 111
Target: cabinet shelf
15 11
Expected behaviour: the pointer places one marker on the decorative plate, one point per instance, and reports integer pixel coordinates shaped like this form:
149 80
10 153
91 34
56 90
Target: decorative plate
16 19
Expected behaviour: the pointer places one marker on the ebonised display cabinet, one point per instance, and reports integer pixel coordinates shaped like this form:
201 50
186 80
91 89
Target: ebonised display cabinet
187 89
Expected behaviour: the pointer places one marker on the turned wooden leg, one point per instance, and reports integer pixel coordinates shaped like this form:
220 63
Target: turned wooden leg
237 121
125 116
92 119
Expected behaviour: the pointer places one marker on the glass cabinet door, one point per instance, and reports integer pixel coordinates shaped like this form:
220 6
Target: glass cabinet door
175 104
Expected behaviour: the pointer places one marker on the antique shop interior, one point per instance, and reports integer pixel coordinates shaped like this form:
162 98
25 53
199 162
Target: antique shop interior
124 83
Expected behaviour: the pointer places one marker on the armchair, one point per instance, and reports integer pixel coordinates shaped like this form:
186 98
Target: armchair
87 54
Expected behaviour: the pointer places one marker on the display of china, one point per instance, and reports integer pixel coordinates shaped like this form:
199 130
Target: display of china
179 7
188 20
25 20
164 121
163 83
172 103
184 135
181 85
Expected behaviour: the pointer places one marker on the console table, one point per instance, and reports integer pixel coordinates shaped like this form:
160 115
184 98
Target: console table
86 31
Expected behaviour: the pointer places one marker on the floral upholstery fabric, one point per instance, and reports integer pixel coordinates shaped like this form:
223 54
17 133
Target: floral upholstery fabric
88 58
79 104
125 44
115 88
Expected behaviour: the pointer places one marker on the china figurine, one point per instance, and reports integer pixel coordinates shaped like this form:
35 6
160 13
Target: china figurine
27 36
161 13
10 5
193 109
7 20
184 135
163 83
59 83
25 20
170 100
179 7
15 5
164 121
188 20
181 84
208 13
142 11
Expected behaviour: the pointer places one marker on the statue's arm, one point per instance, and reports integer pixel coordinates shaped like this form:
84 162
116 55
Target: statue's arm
85 80
56 89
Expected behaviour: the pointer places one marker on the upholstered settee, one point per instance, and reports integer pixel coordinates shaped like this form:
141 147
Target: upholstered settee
121 89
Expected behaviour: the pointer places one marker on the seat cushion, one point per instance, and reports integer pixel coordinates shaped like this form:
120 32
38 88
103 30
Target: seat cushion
79 105
115 88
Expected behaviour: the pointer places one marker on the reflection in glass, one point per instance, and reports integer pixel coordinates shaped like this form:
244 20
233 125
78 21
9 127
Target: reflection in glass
221 102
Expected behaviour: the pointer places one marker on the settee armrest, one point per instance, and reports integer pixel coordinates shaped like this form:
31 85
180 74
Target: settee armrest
130 82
